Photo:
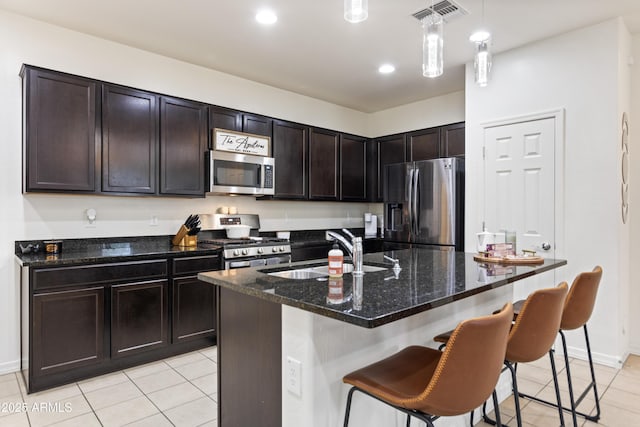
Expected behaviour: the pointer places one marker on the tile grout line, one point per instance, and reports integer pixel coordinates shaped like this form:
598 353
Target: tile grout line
22 395
90 405
147 397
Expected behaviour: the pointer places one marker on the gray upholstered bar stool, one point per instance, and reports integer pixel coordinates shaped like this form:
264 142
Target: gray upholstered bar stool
426 383
576 313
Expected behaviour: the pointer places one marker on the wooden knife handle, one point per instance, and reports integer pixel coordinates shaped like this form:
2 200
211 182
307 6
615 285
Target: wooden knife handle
179 235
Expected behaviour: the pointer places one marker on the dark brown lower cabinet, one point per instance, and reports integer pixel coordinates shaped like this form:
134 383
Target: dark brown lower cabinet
80 321
68 330
139 317
194 304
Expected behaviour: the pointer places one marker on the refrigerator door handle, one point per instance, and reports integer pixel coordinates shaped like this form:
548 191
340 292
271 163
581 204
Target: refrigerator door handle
410 197
416 212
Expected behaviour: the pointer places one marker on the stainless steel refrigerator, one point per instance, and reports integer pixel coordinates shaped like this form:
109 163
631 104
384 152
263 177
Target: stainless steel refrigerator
424 202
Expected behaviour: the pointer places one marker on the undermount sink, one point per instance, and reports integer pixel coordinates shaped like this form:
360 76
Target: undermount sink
304 273
348 268
320 271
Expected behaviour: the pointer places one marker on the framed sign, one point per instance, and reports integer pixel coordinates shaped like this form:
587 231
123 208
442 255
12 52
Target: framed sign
239 142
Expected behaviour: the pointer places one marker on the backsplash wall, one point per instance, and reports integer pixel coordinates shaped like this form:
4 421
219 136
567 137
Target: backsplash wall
63 216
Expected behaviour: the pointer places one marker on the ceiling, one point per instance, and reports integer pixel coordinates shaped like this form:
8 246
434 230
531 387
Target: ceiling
312 50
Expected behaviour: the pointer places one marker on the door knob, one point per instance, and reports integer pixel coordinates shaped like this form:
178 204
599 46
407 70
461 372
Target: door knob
546 246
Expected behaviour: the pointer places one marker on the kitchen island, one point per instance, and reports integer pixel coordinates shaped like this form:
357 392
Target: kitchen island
315 330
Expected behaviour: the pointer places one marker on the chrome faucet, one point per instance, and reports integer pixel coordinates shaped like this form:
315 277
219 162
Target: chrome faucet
353 248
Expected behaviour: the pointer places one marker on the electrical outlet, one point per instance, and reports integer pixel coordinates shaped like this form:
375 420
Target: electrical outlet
294 378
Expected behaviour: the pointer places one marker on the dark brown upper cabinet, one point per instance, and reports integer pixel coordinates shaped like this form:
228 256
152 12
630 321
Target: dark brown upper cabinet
290 149
390 149
353 168
324 148
225 118
257 125
423 144
60 138
452 140
183 143
129 140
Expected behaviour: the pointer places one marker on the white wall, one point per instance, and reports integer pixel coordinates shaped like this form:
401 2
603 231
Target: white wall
580 72
634 188
423 114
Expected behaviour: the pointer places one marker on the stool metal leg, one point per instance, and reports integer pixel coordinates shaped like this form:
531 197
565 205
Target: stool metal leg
515 392
568 369
595 417
575 402
346 412
557 388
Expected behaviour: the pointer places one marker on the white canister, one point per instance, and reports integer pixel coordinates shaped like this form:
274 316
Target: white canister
485 238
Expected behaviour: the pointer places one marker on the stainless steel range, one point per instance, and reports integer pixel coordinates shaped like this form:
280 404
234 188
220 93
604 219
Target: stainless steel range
252 251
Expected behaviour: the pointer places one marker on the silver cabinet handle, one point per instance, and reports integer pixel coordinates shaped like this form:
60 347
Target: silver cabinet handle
546 246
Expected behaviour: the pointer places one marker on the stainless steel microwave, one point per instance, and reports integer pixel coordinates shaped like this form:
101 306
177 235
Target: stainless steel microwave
235 173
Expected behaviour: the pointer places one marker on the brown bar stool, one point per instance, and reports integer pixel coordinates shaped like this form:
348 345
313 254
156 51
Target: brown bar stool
426 383
576 313
531 337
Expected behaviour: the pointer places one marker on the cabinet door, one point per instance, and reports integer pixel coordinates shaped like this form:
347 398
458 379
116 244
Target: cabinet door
67 330
353 168
424 144
60 132
139 317
183 142
452 140
129 140
257 125
323 164
224 118
194 309
289 145
391 149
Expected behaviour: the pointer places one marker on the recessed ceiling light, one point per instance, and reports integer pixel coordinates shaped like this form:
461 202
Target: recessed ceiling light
386 69
266 17
480 36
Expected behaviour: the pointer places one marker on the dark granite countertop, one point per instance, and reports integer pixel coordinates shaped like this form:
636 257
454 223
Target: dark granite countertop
112 249
118 249
429 278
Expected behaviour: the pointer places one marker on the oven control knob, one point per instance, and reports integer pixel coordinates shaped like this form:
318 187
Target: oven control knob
281 248
274 249
245 252
236 252
260 250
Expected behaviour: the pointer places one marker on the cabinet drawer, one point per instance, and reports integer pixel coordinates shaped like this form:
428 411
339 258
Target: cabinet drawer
47 278
193 265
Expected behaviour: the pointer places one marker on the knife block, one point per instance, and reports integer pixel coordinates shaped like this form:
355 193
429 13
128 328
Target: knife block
189 241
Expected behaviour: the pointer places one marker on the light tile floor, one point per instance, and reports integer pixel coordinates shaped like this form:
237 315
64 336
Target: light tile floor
619 392
181 391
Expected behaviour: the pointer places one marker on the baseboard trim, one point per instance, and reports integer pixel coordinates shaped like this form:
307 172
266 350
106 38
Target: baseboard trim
9 367
599 358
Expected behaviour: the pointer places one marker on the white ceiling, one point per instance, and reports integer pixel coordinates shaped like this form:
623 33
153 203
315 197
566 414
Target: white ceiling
311 50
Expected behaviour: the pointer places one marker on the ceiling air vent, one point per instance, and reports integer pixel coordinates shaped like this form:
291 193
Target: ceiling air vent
446 8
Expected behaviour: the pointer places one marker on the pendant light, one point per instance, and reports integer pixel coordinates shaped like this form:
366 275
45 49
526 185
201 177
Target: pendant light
356 10
432 45
482 59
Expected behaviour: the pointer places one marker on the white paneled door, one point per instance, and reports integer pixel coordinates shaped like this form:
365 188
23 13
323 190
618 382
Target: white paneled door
519 182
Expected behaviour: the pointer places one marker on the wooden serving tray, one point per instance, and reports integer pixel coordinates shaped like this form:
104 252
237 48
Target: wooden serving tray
510 260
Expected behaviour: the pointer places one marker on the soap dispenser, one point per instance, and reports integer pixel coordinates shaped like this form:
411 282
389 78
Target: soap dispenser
336 259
